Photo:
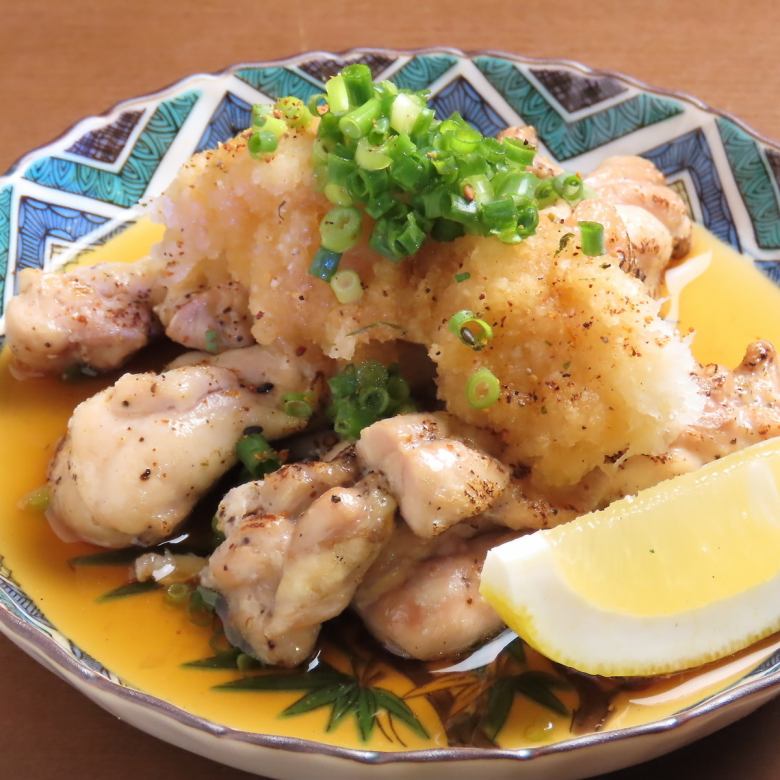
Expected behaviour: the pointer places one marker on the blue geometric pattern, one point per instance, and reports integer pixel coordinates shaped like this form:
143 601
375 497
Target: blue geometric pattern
731 172
5 237
39 221
569 139
691 153
23 605
278 82
460 96
232 115
106 143
574 92
127 187
752 174
421 71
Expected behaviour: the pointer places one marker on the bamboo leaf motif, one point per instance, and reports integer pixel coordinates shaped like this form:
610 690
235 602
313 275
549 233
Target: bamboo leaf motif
226 660
107 558
324 687
538 686
516 649
399 709
500 700
342 707
366 712
131 589
305 681
313 700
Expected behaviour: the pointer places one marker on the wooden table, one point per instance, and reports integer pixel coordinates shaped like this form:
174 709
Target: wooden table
61 61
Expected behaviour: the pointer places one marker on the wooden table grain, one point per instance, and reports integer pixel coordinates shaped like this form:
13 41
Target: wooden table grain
60 61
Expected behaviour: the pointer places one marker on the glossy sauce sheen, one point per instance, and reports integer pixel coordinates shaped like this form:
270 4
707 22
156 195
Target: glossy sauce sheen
145 641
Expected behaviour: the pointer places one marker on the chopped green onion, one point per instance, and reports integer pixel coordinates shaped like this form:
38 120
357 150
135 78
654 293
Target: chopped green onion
519 152
340 228
344 384
462 277
257 455
211 341
273 126
364 393
374 400
569 186
294 112
36 500
371 158
325 264
359 121
337 195
338 97
298 405
358 82
371 373
498 214
527 221
592 238
545 193
346 286
316 102
259 112
471 330
382 151
446 230
350 420
403 115
480 187
177 593
398 389
482 389
379 130
339 168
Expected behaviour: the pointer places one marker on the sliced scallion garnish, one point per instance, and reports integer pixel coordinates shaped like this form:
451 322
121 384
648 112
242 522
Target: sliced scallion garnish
482 389
470 329
340 228
346 286
299 405
592 238
257 455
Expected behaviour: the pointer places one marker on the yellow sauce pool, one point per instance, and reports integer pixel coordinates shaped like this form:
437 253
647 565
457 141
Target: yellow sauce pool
145 641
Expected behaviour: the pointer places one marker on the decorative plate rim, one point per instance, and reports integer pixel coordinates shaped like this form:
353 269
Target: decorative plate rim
14 626
468 54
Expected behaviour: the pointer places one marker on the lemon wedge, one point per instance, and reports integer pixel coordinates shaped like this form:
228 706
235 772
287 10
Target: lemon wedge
683 573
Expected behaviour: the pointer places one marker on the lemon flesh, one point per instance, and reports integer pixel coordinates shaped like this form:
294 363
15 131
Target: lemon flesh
681 574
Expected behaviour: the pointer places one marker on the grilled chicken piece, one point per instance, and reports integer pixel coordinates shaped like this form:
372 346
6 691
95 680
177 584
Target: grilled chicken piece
95 316
272 371
246 570
632 181
217 313
742 408
138 455
336 541
289 491
436 610
282 576
651 244
437 479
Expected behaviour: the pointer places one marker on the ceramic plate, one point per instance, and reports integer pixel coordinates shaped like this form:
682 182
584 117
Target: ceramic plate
503 712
